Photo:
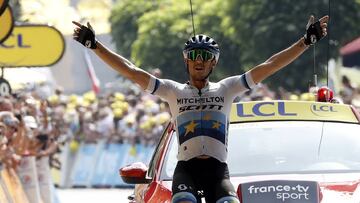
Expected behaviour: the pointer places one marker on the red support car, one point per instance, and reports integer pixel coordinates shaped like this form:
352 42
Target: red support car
279 151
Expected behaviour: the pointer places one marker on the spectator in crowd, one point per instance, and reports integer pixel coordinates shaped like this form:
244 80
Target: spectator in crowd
347 91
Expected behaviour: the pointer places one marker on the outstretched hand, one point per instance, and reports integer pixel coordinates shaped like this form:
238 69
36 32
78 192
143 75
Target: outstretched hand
84 35
315 31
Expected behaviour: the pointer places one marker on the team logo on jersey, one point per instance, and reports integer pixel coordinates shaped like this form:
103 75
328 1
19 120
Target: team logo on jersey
88 44
205 123
182 187
201 103
200 107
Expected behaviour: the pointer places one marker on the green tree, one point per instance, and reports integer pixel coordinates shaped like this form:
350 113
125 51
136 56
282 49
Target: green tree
264 27
16 8
153 33
160 39
124 22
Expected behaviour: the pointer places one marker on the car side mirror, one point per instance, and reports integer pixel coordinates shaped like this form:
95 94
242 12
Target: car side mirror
134 173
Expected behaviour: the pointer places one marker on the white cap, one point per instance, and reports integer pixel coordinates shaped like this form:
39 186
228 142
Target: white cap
30 122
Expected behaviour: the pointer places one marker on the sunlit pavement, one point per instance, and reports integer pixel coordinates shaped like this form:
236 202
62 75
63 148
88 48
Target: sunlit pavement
93 195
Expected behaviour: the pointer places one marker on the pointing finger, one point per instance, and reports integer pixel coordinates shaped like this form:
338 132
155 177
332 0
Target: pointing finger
324 19
76 23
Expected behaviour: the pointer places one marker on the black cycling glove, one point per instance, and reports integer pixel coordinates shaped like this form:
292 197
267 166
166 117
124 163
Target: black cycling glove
313 33
86 36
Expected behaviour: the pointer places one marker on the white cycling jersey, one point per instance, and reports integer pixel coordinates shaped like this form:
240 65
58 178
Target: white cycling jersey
201 116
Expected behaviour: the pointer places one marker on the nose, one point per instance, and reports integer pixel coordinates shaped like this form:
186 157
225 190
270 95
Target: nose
199 58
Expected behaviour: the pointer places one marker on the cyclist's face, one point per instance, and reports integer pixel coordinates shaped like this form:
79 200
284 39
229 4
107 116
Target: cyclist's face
199 69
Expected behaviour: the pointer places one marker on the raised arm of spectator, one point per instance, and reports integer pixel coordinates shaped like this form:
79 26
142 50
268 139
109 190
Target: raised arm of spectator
315 31
86 36
19 140
51 149
3 141
43 110
14 131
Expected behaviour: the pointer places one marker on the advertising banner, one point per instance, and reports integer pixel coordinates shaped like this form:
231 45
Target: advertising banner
13 186
84 165
32 46
5 88
29 178
44 177
107 166
291 110
6 23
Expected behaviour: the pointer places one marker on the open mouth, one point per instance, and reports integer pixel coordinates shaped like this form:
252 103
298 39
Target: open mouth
199 68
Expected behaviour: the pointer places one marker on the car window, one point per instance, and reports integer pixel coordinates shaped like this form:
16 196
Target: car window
293 147
269 147
341 145
170 159
285 147
155 158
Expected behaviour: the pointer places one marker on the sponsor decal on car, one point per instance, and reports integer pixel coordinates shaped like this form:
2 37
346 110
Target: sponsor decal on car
276 191
291 110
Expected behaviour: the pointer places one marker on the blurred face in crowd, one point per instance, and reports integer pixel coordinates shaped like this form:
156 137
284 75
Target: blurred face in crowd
31 107
11 124
18 106
3 139
6 105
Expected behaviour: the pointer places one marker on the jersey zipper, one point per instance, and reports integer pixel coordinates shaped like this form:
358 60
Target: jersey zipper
201 119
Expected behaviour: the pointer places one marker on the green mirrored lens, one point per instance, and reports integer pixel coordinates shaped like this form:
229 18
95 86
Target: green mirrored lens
205 55
208 56
191 55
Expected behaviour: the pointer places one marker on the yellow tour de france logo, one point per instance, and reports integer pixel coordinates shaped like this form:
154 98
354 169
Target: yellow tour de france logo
32 46
6 24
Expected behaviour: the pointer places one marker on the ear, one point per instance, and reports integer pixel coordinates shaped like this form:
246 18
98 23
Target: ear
186 62
213 63
186 65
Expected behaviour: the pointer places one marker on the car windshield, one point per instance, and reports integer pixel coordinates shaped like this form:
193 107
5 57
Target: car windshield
281 147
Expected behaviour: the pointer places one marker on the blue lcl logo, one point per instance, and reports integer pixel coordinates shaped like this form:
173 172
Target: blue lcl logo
257 110
323 108
19 42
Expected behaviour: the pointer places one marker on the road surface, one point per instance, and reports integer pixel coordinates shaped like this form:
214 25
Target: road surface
93 195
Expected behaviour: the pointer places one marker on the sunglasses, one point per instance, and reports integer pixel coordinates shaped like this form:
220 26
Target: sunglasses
204 54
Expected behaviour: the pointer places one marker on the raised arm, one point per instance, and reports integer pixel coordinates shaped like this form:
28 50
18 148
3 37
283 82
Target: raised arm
86 36
315 31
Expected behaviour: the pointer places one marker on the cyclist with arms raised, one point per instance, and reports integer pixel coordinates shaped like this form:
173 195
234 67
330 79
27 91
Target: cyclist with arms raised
200 108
